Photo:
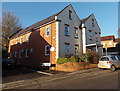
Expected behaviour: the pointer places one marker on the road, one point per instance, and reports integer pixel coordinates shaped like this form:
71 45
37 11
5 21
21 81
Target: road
95 79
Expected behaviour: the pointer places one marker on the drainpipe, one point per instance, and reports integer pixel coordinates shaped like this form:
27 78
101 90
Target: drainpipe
83 38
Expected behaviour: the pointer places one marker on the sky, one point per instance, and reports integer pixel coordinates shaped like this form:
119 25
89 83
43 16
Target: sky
106 13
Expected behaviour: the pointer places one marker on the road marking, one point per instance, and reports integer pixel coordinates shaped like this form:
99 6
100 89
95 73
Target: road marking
44 73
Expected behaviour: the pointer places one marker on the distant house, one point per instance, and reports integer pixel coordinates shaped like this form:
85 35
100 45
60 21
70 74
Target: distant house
42 43
91 35
109 44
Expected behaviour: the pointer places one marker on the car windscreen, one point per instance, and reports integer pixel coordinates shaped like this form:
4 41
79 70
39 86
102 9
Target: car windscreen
104 59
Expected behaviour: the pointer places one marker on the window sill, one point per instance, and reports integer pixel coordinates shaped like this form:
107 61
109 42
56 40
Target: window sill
76 37
67 35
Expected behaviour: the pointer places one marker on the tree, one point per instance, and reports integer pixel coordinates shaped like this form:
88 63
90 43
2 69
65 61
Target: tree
10 25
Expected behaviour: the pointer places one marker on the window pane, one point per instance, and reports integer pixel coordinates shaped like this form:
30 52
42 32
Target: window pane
118 57
104 59
113 58
66 30
47 32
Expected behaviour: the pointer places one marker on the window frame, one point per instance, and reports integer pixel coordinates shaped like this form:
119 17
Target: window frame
27 37
70 14
67 48
47 54
90 34
21 40
26 53
75 32
47 31
15 54
66 31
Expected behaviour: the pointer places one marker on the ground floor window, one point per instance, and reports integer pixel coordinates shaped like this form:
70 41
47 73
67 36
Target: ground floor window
47 50
27 52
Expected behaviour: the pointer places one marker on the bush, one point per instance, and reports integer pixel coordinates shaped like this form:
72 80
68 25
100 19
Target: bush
84 57
62 60
93 57
73 59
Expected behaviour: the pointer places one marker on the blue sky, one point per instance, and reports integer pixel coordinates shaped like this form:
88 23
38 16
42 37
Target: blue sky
29 13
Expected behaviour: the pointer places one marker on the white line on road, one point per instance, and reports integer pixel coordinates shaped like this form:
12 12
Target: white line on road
44 73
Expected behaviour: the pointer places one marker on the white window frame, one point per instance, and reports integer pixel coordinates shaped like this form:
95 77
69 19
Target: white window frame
66 32
15 54
27 37
75 32
17 41
110 43
21 40
31 50
26 53
47 50
47 30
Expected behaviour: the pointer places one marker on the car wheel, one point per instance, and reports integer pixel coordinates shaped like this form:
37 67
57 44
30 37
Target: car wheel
100 68
112 68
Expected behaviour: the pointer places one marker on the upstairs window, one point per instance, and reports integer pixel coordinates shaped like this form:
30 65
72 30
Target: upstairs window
16 40
70 14
47 31
21 39
28 38
47 50
66 30
90 33
75 32
93 23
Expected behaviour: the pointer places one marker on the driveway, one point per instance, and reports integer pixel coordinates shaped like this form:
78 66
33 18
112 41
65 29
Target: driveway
22 73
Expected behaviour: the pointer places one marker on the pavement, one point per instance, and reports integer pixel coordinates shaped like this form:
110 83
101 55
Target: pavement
36 77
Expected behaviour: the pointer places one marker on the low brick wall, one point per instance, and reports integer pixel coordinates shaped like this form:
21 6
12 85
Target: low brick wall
71 66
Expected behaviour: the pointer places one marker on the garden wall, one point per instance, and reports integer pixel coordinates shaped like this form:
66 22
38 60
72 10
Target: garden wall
71 66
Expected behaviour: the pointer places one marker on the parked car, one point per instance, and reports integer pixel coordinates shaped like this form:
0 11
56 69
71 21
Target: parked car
8 63
109 62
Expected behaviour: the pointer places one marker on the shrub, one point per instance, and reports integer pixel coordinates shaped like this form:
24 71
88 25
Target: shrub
93 57
69 55
84 57
73 59
62 60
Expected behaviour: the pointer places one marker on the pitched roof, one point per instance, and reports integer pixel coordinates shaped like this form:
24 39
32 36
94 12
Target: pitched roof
104 38
117 40
44 21
85 19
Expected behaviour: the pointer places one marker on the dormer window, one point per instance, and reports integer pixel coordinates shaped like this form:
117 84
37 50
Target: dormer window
70 14
93 23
